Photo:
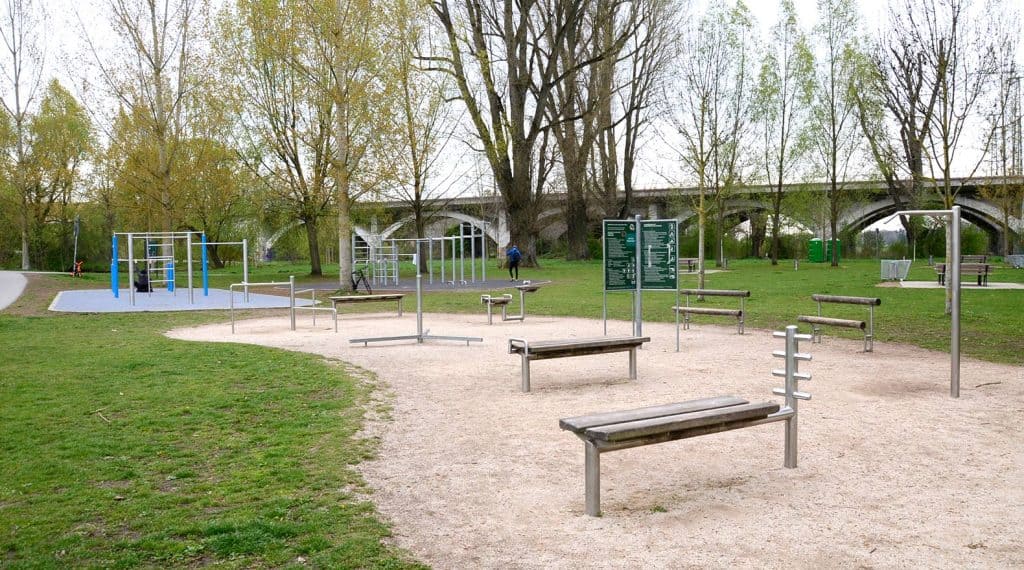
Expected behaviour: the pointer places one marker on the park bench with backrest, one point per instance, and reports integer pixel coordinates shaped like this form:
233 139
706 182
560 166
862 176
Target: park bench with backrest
979 270
350 299
546 349
816 321
689 262
688 309
612 431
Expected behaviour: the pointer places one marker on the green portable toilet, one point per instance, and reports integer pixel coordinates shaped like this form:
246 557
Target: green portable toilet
815 251
828 250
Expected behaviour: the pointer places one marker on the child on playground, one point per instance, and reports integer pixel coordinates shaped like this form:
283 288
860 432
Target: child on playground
142 283
514 256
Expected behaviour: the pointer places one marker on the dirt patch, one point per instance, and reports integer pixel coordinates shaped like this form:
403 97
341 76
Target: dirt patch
474 473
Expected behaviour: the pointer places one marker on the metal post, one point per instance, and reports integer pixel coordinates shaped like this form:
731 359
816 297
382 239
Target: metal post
791 401
592 477
430 259
206 267
291 298
131 272
419 308
677 314
954 352
188 262
113 266
632 363
462 253
638 303
483 245
441 241
245 267
472 252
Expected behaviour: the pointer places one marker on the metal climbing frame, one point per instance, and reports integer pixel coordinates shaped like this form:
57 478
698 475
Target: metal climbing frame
381 258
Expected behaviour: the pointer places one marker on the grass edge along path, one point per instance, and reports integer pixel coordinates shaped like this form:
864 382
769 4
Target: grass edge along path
123 448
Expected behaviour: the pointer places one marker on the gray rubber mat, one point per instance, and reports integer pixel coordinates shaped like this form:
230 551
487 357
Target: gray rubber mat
103 301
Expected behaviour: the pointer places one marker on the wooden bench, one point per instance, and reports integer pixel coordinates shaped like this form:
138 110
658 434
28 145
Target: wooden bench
969 258
689 262
868 327
612 431
690 310
344 299
979 270
546 349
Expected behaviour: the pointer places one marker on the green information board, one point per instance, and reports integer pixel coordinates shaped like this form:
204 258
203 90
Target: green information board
619 255
658 253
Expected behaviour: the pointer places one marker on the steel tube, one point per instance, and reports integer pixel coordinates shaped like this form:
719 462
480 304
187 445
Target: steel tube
188 262
291 298
113 266
245 266
638 302
526 371
632 363
592 478
954 350
790 458
131 271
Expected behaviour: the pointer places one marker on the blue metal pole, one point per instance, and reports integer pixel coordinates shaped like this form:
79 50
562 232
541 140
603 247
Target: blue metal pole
170 276
206 271
113 266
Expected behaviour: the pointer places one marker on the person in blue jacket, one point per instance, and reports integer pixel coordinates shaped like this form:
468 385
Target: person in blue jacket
514 256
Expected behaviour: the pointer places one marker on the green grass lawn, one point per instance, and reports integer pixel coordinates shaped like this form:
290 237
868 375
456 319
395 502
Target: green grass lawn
123 448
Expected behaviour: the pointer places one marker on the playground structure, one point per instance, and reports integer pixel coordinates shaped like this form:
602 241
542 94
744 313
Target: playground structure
161 258
381 257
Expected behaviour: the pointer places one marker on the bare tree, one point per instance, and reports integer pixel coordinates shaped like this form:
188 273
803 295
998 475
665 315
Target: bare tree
23 23
833 117
784 95
503 57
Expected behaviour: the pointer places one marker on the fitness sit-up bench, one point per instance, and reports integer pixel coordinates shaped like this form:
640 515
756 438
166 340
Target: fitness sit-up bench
612 431
546 349
503 301
345 299
868 327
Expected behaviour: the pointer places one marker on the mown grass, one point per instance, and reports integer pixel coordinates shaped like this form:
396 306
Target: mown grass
122 448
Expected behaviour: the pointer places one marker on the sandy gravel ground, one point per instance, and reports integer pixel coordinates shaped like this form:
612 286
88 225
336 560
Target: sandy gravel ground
474 473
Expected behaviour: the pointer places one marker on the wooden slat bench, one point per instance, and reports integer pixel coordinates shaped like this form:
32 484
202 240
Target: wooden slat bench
545 349
612 431
979 270
688 310
868 327
345 299
689 262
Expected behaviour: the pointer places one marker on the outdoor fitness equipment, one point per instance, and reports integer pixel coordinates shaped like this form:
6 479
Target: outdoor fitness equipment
381 257
160 259
292 307
420 335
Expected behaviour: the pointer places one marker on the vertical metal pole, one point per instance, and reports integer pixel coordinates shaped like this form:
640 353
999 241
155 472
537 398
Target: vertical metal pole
206 268
188 262
441 241
231 307
677 314
954 348
462 253
638 302
604 312
131 272
245 267
113 266
291 298
453 260
419 308
791 401
592 475
483 246
632 364
472 252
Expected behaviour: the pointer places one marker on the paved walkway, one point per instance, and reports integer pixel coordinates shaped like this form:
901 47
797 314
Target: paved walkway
12 283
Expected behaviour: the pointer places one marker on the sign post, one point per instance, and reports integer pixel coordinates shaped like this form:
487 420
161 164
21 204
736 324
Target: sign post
639 255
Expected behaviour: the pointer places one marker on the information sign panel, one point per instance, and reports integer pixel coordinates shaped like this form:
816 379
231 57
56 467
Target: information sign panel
619 255
658 253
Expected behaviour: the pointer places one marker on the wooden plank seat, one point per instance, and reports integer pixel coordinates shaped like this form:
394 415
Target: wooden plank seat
612 431
819 320
347 299
689 262
979 270
688 309
546 349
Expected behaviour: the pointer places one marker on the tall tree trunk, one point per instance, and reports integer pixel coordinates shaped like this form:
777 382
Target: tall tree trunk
313 239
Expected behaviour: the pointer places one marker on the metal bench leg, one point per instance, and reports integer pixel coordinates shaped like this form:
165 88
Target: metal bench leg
791 443
526 373
399 306
592 477
632 363
489 321
815 334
